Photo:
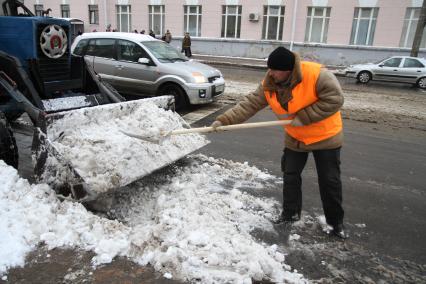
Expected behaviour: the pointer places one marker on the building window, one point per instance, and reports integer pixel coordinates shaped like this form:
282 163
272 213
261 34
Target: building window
273 22
192 20
65 11
38 10
93 14
124 18
231 21
157 18
409 29
317 24
363 26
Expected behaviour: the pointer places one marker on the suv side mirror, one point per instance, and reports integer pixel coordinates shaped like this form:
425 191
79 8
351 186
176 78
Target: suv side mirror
144 60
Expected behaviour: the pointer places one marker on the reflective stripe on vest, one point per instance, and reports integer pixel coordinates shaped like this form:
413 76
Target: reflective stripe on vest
304 94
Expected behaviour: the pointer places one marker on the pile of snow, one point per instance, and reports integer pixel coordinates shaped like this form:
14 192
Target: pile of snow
192 223
92 142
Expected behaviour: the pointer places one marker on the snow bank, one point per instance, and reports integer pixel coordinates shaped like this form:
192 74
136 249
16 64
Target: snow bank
191 223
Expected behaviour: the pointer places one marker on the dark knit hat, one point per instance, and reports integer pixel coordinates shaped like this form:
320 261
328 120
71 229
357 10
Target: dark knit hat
281 59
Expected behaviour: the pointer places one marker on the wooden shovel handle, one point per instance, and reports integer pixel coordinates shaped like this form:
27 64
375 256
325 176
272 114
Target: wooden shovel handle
208 129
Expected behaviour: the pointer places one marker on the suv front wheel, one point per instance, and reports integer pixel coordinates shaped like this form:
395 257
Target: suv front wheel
176 91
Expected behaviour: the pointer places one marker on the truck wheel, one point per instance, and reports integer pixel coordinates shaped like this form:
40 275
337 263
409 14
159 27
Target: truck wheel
8 148
174 90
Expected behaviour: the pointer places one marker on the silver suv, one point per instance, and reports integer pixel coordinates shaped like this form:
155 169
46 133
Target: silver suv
140 65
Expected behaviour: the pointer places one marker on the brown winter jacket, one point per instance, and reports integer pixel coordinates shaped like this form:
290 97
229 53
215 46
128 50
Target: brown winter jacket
330 100
168 37
186 42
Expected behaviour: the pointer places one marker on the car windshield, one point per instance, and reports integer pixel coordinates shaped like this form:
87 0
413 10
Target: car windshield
164 52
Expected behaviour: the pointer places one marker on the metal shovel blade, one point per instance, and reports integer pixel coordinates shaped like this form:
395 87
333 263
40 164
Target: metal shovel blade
90 142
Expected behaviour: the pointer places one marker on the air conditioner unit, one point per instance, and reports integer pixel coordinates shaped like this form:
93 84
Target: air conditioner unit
254 17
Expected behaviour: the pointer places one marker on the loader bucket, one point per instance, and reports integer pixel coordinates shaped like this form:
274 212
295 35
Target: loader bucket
83 153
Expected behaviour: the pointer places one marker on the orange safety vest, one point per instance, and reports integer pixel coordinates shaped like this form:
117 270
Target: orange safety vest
304 94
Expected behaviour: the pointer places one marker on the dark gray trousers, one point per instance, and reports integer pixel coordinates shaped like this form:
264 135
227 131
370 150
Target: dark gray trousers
328 169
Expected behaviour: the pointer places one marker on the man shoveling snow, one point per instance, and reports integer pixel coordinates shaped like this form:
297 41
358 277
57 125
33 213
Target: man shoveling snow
312 97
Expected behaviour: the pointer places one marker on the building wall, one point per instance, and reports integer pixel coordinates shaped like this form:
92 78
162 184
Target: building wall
250 44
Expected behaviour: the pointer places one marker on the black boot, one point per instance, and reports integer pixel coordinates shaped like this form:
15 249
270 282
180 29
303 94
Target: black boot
339 231
287 219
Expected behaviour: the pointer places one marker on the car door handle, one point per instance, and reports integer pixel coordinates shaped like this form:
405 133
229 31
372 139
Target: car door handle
119 66
419 71
395 70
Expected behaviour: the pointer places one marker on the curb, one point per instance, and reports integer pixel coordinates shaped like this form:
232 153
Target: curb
336 71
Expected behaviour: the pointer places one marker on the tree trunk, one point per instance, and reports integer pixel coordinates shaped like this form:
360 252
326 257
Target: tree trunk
419 31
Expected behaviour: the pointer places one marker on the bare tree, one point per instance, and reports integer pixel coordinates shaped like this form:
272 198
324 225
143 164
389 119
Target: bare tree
419 31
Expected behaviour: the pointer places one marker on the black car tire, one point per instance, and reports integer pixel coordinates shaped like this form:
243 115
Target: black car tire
8 148
421 83
364 77
170 89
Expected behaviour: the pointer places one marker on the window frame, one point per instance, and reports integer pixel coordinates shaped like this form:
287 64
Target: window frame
95 10
151 15
237 15
390 59
372 20
118 50
413 59
65 8
266 18
409 28
326 15
114 50
81 47
119 13
38 10
186 15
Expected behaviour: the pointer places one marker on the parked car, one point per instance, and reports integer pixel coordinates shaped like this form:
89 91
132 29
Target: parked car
403 69
137 64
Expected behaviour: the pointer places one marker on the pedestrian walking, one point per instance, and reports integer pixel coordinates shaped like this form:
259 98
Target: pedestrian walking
312 97
186 45
168 36
151 33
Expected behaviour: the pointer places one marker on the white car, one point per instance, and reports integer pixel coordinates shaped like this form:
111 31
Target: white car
402 69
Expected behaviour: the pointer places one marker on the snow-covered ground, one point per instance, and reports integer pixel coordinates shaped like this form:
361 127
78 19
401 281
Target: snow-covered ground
192 223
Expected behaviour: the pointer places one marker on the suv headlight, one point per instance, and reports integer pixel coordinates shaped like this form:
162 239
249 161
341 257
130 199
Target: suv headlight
199 78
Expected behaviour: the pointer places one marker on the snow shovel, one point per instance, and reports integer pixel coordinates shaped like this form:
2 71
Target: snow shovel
85 150
159 138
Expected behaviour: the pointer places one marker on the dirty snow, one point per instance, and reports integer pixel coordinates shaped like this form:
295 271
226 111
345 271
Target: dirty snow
65 103
192 222
91 141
